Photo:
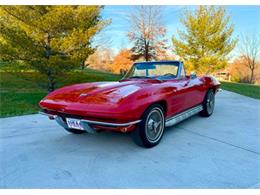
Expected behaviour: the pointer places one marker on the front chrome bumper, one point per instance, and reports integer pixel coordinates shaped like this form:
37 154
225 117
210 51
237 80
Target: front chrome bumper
85 123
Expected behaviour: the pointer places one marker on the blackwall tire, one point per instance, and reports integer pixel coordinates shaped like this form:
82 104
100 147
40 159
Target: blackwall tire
150 130
208 104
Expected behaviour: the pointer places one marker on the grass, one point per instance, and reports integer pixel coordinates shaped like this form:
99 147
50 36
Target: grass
249 90
20 92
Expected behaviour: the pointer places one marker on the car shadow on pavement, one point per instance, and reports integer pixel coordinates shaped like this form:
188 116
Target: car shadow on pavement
106 140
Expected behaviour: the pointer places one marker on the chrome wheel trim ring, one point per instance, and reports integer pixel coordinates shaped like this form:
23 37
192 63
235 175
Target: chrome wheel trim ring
154 125
210 103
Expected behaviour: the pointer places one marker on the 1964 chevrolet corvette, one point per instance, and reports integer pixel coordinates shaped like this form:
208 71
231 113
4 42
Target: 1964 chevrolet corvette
150 97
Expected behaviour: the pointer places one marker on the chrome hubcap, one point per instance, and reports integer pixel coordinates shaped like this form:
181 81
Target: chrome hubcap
154 125
210 103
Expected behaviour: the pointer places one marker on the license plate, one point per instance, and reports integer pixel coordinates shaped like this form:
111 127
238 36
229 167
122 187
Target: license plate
74 124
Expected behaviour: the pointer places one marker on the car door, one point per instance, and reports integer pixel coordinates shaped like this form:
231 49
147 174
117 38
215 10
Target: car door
194 95
178 96
186 92
179 101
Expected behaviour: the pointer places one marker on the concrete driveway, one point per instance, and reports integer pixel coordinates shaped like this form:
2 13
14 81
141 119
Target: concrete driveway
222 151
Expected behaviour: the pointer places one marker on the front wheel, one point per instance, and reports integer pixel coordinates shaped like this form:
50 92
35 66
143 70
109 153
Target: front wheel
150 130
208 104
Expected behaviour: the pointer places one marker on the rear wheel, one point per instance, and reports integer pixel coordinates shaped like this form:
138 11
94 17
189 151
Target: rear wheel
150 130
75 131
208 104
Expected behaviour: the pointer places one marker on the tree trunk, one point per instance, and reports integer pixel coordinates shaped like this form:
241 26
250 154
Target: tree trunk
51 82
51 86
82 65
146 52
146 55
47 45
146 58
252 75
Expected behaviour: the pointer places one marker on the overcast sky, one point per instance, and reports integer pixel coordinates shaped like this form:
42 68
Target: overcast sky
246 19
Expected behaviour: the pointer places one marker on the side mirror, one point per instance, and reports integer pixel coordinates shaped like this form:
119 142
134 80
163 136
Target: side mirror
193 75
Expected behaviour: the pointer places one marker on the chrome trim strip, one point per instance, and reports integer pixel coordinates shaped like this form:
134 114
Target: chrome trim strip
98 122
182 116
111 124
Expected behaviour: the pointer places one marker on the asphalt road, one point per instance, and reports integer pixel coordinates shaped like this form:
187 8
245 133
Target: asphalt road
222 151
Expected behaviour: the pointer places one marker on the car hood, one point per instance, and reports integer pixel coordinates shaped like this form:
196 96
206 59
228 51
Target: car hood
101 93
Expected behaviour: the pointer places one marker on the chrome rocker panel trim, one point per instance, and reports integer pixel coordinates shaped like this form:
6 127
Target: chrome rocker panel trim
183 115
85 122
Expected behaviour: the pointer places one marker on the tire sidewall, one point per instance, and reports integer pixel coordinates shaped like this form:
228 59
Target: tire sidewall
141 127
205 112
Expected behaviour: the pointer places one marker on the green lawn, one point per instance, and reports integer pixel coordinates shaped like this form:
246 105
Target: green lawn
20 92
243 89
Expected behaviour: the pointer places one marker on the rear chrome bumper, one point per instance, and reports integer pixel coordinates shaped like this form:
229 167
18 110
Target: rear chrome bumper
85 123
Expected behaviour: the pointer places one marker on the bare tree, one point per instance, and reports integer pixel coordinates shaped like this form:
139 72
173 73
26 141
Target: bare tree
249 51
101 59
147 32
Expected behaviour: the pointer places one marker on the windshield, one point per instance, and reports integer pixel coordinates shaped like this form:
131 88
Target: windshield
153 70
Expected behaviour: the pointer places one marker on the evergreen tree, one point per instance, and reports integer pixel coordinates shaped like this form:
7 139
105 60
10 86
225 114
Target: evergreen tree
50 39
206 41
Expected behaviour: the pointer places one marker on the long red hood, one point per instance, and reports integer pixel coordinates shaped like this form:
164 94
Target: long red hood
95 93
105 97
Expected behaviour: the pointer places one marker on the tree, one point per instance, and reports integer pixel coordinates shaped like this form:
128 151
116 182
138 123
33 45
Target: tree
238 70
122 61
101 59
249 51
147 32
206 40
50 39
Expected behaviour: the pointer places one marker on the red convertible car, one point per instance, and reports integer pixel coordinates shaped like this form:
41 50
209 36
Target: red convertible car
150 97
